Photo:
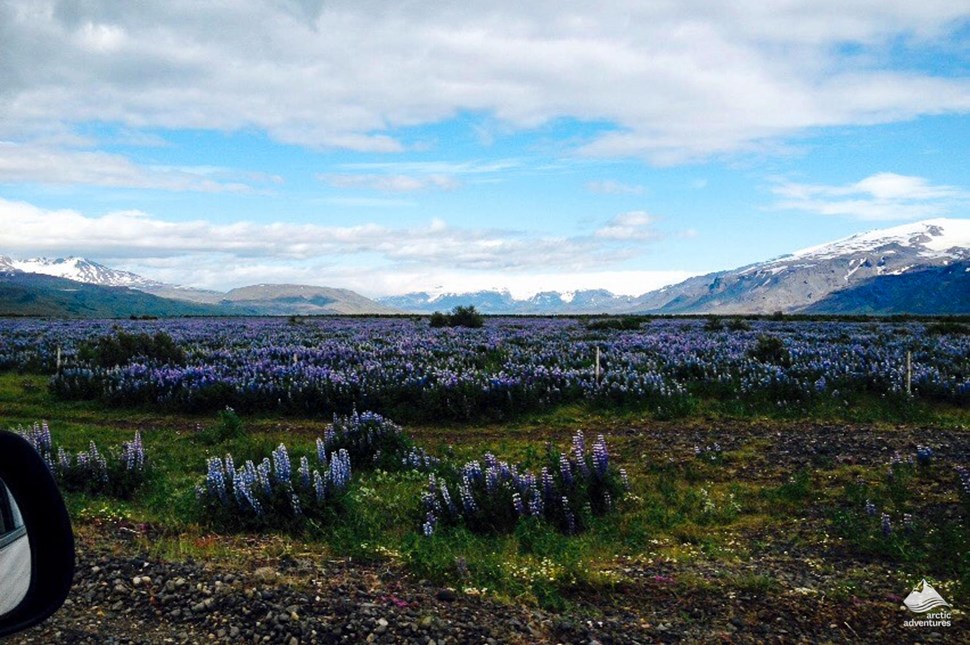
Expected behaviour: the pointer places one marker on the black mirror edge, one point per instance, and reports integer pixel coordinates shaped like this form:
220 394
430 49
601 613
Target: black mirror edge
48 529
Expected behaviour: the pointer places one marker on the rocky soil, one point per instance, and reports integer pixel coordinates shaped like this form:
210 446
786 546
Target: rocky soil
783 589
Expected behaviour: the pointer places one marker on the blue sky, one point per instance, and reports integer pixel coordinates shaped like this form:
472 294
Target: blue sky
394 147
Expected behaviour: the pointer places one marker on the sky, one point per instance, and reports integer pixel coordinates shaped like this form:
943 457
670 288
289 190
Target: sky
393 147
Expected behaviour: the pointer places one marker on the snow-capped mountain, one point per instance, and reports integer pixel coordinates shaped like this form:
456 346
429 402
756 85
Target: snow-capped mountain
79 270
279 299
806 279
592 301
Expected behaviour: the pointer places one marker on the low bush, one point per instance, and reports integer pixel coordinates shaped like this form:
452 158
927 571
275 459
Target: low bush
626 323
117 473
269 495
122 348
493 496
373 441
459 317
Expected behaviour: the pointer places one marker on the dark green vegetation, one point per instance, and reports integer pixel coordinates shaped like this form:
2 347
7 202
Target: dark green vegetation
718 506
460 316
933 290
29 294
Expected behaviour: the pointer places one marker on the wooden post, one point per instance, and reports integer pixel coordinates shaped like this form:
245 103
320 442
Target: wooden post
58 358
909 373
598 371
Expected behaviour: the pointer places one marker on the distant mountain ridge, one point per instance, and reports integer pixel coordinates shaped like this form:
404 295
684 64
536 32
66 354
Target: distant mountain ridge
591 301
807 279
912 268
104 291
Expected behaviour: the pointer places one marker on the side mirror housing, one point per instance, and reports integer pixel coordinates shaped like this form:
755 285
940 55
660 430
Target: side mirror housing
36 541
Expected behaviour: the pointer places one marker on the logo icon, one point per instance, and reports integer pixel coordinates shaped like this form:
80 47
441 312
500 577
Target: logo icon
923 598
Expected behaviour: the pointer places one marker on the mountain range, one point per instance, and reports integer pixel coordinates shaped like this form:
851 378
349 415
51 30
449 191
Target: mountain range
921 267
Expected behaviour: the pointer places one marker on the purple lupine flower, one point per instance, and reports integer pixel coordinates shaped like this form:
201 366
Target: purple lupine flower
215 479
304 472
318 487
133 454
322 453
465 493
63 459
624 479
536 505
262 477
566 470
887 525
429 524
601 456
570 518
282 467
579 453
449 503
548 486
870 508
491 479
517 503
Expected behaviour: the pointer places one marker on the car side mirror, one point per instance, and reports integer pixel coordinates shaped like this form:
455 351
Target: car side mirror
36 541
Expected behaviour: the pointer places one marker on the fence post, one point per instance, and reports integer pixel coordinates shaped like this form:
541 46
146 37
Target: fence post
58 358
598 370
909 373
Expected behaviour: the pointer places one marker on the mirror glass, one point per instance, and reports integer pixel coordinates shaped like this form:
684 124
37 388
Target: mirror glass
14 553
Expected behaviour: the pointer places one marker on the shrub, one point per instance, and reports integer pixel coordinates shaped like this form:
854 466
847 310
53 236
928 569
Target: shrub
229 426
713 324
123 348
118 474
459 317
493 496
626 323
374 442
738 324
270 494
770 349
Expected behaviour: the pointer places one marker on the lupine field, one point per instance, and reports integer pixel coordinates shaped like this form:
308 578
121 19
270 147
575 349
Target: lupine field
700 479
406 369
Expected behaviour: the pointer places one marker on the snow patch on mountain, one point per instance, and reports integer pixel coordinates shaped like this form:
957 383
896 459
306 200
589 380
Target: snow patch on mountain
933 238
82 270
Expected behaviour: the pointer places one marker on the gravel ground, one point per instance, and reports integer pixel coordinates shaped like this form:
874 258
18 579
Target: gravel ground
122 596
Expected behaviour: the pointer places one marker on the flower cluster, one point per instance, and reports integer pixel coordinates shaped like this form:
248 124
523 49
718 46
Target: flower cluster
372 442
712 453
119 473
405 369
268 494
492 495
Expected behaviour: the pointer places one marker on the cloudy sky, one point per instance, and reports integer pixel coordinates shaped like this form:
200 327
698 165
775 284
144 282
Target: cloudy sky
399 146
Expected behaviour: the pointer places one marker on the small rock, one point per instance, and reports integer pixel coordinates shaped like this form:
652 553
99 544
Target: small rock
447 595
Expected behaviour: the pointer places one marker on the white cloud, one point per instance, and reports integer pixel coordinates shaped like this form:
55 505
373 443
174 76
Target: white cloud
882 196
679 81
56 165
134 236
632 226
612 187
392 183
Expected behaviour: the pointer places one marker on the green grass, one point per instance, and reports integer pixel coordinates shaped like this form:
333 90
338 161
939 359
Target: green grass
682 509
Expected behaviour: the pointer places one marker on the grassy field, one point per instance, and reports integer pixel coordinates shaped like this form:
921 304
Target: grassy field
770 509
